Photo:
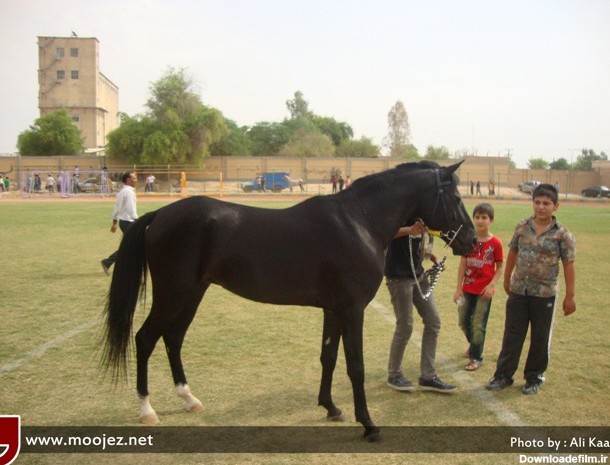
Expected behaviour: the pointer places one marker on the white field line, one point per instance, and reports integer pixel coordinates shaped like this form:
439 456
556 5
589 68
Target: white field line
486 398
39 351
466 383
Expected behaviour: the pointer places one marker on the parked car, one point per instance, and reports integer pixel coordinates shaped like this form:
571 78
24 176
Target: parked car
528 186
92 185
274 182
596 191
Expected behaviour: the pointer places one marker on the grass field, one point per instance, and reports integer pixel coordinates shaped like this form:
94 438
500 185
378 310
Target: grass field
255 364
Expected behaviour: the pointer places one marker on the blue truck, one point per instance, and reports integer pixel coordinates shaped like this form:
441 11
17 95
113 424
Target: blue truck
274 182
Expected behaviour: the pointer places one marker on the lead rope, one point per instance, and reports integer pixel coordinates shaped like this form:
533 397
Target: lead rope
432 274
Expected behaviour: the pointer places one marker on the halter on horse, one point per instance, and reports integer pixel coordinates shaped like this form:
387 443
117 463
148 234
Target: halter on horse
339 239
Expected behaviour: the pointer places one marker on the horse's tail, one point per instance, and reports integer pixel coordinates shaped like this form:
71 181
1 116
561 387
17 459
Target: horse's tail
127 285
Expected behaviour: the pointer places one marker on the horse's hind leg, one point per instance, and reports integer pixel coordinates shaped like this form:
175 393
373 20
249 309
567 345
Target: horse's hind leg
174 339
167 312
331 335
146 339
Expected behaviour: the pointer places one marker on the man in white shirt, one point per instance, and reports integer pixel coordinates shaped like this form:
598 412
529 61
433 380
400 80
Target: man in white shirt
124 214
150 183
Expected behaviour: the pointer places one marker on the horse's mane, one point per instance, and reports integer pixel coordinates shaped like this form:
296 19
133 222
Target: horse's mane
381 177
424 164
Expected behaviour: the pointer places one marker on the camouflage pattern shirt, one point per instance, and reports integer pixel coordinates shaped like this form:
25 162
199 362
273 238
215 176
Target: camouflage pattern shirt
537 266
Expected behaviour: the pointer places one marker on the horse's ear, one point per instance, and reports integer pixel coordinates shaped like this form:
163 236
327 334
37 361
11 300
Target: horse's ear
453 168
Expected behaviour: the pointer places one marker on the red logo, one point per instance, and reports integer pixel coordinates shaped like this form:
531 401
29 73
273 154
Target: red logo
10 438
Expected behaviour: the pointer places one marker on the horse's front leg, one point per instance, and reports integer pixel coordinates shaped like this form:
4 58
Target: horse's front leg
331 334
352 344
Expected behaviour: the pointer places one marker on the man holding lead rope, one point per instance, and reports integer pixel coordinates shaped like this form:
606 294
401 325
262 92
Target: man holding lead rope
408 286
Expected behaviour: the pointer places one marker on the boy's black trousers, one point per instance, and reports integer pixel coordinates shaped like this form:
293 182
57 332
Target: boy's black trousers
521 312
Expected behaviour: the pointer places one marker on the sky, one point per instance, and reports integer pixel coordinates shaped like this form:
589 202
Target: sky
529 78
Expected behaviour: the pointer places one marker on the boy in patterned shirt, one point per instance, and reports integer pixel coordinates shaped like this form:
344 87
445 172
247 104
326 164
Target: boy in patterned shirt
537 246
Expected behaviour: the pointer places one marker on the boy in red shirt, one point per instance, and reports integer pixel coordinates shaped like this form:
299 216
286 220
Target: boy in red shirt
477 276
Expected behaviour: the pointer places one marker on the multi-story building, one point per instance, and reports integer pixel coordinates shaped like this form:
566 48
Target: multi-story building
69 77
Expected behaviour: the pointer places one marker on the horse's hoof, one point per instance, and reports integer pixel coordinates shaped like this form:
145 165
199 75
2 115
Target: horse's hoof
372 434
335 416
194 408
149 419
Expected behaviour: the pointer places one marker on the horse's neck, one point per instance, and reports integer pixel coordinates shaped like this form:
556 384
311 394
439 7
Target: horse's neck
389 206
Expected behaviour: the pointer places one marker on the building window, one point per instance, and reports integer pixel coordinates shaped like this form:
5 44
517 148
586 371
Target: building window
73 52
59 53
74 74
61 74
75 118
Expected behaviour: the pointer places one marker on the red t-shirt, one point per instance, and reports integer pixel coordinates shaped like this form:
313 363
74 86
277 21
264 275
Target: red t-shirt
481 265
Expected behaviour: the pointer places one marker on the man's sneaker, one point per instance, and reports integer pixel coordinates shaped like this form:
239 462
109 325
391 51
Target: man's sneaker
531 388
435 384
105 267
400 383
498 382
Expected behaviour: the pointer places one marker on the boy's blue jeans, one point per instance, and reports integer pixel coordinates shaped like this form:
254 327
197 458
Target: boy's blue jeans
472 318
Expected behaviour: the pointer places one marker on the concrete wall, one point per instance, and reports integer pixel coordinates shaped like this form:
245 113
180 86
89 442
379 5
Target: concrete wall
317 170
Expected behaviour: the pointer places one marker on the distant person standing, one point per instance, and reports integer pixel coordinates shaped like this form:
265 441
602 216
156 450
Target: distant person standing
150 183
124 214
50 184
557 186
478 188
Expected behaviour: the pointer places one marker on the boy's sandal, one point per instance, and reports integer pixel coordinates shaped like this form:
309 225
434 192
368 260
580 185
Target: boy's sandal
473 365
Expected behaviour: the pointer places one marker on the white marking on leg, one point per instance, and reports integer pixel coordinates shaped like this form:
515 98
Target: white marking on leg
148 415
192 403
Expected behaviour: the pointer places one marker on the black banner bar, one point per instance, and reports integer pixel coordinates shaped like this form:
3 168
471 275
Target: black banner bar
323 439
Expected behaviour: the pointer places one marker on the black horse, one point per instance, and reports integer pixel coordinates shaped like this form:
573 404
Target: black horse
339 239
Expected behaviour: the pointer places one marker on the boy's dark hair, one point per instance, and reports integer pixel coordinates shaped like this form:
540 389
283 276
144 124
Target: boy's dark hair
546 190
484 209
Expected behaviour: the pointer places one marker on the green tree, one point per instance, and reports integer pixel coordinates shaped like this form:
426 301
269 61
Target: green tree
127 141
338 131
362 148
267 139
51 134
308 143
537 164
585 160
437 153
178 127
409 152
236 142
298 106
560 164
399 130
